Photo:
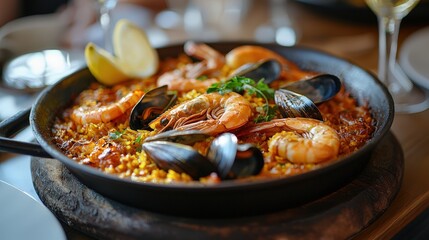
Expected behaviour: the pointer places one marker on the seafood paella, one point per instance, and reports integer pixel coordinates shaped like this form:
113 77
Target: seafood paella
206 117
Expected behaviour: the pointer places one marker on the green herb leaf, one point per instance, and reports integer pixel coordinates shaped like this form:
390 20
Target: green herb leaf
239 84
270 113
115 135
138 139
265 89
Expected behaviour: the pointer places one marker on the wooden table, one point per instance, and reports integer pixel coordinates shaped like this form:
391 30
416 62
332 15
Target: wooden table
358 43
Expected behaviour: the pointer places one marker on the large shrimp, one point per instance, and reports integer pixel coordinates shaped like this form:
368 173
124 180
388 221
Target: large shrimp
186 78
252 54
299 140
106 113
175 81
211 113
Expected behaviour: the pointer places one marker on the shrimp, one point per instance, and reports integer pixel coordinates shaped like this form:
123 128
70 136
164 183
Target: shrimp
252 54
175 81
211 113
299 140
107 113
212 60
185 79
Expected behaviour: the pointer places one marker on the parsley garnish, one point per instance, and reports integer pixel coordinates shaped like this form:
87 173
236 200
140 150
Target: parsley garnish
240 84
137 142
270 113
115 135
138 139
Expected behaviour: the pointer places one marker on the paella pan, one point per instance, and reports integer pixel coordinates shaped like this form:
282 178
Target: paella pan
148 174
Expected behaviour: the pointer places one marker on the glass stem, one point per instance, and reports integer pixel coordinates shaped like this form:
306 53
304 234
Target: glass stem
388 69
105 25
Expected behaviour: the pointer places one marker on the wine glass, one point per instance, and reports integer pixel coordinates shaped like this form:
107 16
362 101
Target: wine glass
407 97
105 7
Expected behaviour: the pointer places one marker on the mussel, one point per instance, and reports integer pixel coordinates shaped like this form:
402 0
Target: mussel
225 156
292 104
299 99
235 160
267 70
179 157
318 89
150 106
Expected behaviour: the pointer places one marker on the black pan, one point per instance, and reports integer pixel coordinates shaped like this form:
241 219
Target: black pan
229 198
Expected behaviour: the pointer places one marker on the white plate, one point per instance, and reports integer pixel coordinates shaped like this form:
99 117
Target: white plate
22 217
414 57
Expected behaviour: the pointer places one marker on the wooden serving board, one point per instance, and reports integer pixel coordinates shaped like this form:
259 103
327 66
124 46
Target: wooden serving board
339 215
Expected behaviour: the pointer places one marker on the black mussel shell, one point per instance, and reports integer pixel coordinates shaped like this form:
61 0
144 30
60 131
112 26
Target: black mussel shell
179 157
268 70
222 153
249 161
234 160
318 89
292 104
151 105
185 137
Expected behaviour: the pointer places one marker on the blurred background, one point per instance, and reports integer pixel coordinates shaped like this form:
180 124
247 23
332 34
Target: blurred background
72 23
30 26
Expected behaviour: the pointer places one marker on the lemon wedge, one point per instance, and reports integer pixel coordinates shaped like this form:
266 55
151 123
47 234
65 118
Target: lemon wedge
103 65
131 46
134 56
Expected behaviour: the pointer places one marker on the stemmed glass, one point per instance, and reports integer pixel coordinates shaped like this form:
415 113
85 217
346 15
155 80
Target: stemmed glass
407 97
105 7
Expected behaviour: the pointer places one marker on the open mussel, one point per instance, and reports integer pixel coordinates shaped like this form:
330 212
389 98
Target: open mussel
150 106
234 160
179 157
318 89
225 156
299 99
292 104
267 70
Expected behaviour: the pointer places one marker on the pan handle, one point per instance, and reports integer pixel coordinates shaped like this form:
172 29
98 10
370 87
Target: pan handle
13 125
